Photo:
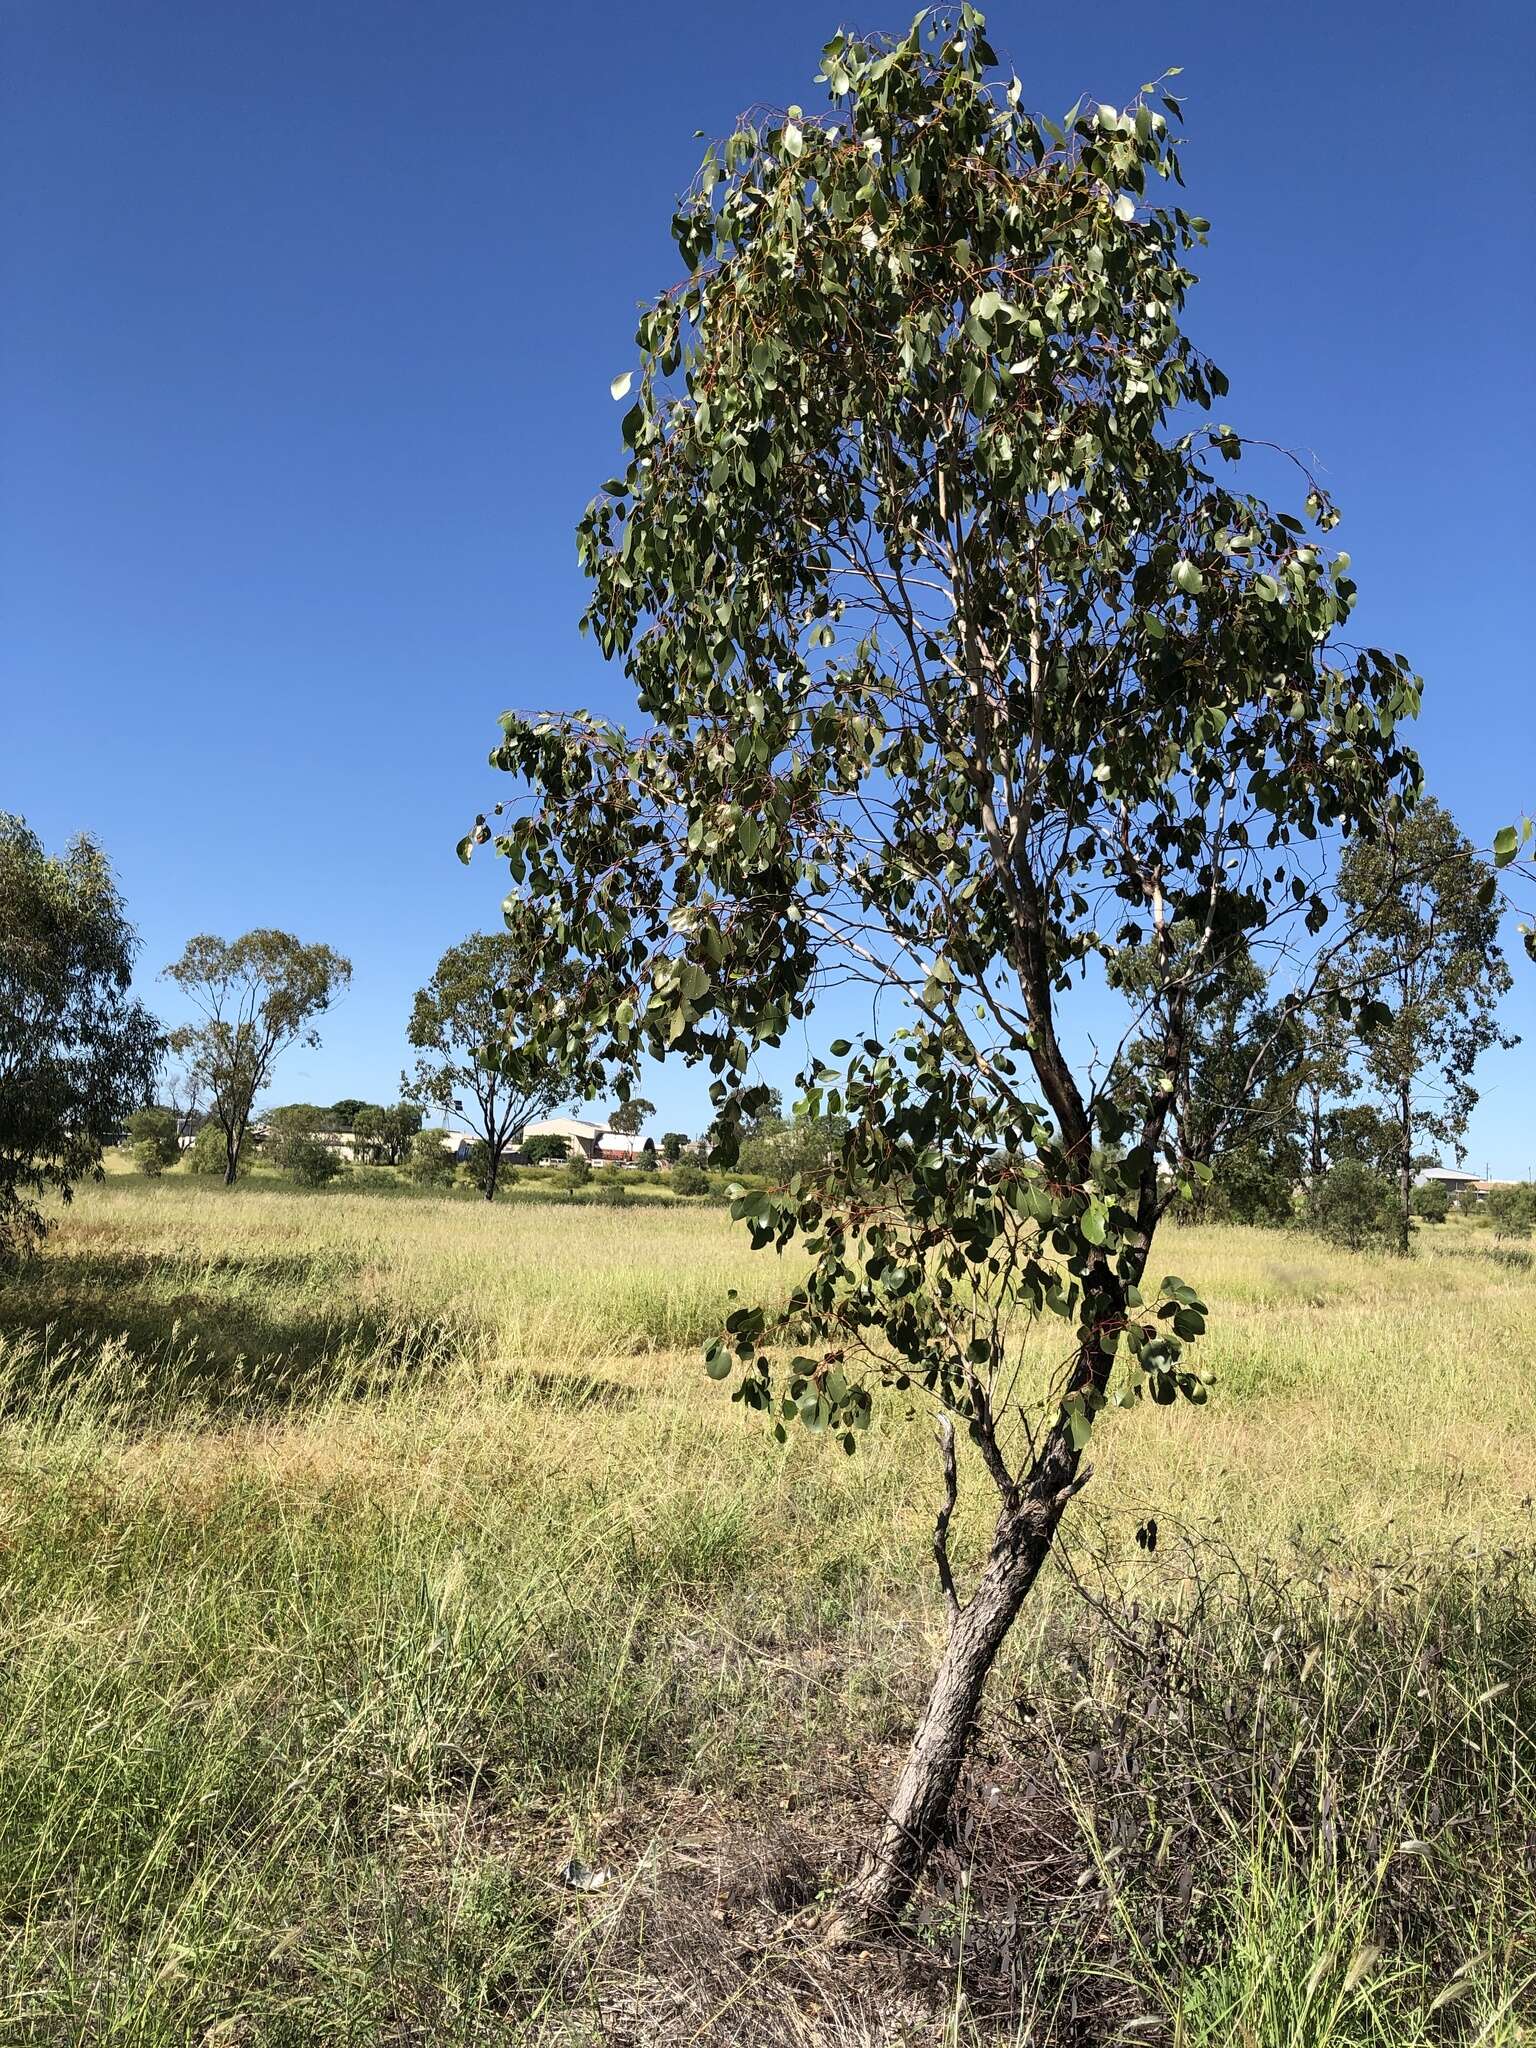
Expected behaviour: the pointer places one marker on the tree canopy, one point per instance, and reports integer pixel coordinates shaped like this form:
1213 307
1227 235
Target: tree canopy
77 1053
967 676
1425 938
476 1063
255 997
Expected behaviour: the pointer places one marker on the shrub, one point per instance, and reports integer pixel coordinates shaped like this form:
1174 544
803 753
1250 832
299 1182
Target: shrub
611 1198
206 1154
647 1160
148 1158
1354 1207
153 1132
309 1163
1432 1201
429 1165
688 1180
1512 1210
577 1172
609 1176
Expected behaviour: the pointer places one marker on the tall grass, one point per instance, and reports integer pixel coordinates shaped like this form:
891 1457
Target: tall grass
364 1560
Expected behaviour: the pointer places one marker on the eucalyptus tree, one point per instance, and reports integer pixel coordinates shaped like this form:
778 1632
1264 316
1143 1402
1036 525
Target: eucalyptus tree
1424 921
963 679
474 1061
78 1054
255 997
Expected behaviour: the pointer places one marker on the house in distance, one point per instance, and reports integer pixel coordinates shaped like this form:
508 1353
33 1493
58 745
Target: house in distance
587 1140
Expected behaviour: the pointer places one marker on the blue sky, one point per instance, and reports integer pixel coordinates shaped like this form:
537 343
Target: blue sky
310 312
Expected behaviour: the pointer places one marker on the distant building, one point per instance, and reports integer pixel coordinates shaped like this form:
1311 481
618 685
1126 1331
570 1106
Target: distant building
580 1136
618 1149
1457 1181
586 1140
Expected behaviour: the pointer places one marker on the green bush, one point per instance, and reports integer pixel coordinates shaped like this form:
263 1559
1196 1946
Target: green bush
429 1165
152 1134
206 1154
1354 1207
309 1162
577 1172
611 1198
688 1180
1432 1201
148 1158
1512 1210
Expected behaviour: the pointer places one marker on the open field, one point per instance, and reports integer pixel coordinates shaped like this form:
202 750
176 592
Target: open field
365 1559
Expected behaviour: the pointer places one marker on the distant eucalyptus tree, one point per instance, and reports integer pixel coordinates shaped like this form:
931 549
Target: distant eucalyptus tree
255 997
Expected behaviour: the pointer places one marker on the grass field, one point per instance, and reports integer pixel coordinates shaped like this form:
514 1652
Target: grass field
366 1559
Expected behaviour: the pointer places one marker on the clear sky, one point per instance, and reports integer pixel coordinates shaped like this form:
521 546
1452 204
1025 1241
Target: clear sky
309 314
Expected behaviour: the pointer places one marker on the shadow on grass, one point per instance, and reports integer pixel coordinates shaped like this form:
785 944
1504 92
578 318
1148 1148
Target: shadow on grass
235 1331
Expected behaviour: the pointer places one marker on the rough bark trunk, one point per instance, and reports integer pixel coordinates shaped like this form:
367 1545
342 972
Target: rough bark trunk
919 1808
1315 1161
1405 1173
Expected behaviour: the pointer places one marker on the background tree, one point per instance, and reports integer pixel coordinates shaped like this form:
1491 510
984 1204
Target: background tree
428 1163
207 1154
384 1135
1326 1076
475 1064
1236 1099
1512 1210
1355 1207
805 1143
673 1145
368 1140
960 674
545 1149
1432 1202
77 1053
343 1115
629 1116
1360 1134
256 996
291 1125
1425 917
155 1136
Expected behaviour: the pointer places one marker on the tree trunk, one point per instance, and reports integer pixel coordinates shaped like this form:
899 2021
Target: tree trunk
491 1171
914 1824
1405 1172
1316 1160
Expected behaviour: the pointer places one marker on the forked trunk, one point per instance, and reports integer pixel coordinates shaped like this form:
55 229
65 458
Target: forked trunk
915 1820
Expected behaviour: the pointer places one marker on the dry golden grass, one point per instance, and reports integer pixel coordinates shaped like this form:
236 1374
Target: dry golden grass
330 1517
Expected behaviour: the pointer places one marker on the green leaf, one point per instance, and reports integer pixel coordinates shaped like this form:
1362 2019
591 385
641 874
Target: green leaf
1188 578
619 388
1506 844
